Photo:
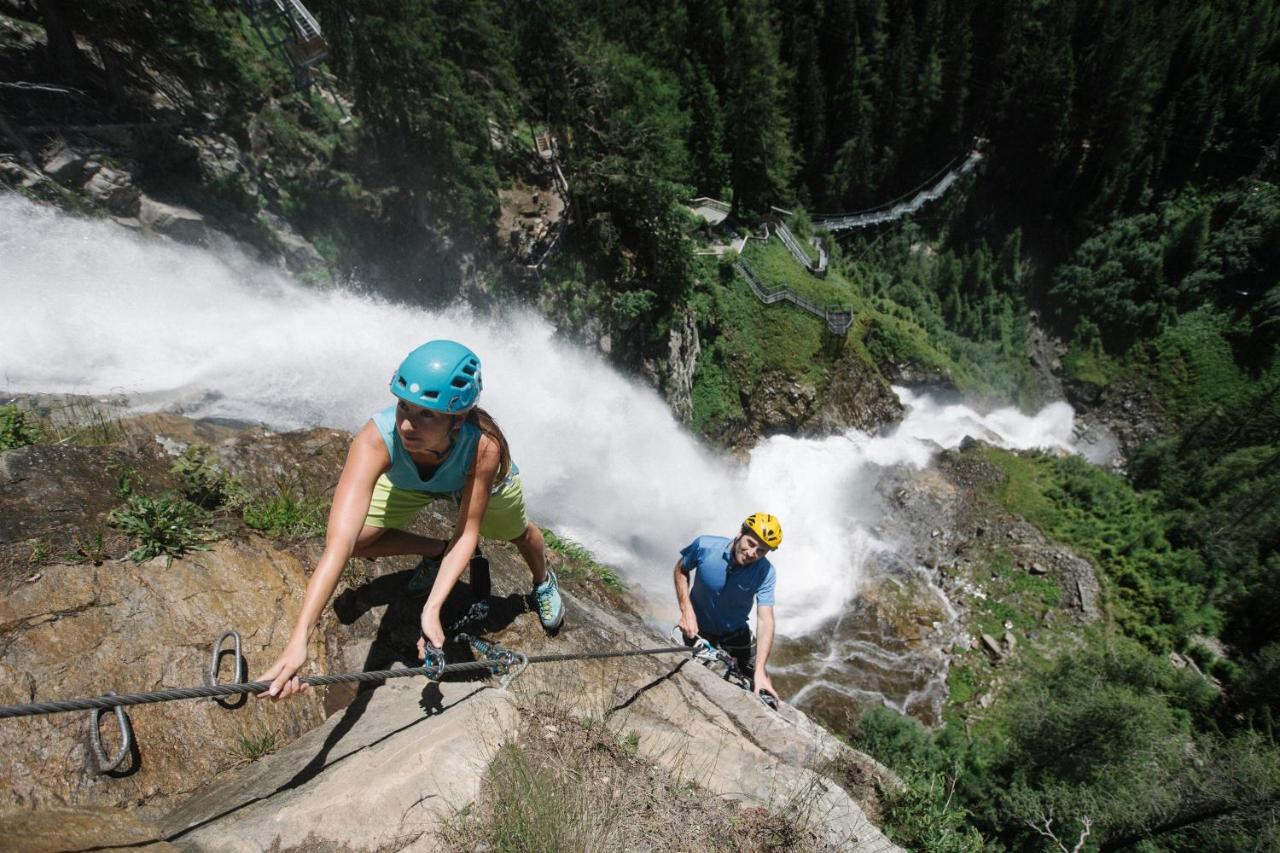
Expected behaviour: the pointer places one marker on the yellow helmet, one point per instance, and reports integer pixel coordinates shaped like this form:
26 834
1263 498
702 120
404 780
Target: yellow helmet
764 527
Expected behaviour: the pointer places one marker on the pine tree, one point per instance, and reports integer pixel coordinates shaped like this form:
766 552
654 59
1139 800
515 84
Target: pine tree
763 163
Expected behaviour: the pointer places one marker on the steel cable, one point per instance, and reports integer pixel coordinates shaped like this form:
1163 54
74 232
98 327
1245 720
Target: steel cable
124 699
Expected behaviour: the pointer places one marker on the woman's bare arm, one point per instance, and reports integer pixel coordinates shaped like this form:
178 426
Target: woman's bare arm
367 459
475 500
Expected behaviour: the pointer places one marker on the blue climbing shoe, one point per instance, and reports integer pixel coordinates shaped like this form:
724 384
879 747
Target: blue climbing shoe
424 575
550 607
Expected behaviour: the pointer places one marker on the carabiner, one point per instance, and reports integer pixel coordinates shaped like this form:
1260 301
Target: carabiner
434 663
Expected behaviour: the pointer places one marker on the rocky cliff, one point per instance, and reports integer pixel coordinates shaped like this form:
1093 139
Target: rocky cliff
409 765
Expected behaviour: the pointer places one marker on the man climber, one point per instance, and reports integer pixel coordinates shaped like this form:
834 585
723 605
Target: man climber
728 575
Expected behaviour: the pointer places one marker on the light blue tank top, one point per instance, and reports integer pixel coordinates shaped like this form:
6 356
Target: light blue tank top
450 477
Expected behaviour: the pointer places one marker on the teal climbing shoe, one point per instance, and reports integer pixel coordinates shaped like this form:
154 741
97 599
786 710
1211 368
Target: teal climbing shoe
550 607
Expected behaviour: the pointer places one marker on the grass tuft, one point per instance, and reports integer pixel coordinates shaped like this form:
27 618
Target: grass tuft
580 563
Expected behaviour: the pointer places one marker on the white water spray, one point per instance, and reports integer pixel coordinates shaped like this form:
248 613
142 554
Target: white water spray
89 308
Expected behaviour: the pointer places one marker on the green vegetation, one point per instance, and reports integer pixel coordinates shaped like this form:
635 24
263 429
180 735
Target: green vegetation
200 480
746 344
88 548
580 563
1101 738
251 746
166 525
1160 594
778 268
285 515
17 428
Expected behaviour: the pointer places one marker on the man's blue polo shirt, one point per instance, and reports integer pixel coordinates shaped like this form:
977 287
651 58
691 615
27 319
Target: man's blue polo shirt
722 593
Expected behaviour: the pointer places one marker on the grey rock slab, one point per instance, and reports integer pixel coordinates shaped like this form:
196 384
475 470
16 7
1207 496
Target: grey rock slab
181 223
114 190
708 731
65 166
381 773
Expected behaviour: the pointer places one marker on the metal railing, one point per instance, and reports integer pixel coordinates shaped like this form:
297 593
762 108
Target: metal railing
838 318
849 221
819 267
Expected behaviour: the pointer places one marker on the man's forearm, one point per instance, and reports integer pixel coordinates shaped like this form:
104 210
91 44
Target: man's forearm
764 639
682 590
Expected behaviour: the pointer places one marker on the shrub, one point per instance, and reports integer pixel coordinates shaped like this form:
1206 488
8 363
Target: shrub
17 428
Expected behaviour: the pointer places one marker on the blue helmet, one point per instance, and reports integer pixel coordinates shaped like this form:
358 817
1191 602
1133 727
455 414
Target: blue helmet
443 376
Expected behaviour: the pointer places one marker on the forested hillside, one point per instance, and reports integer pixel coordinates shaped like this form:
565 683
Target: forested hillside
1128 202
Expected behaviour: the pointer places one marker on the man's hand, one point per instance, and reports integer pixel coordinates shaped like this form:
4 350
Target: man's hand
432 630
763 683
688 624
283 674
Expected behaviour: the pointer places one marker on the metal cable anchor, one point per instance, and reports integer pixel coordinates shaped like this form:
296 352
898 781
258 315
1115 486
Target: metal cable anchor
105 764
241 671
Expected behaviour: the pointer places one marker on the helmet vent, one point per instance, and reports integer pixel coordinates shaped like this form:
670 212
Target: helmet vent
459 382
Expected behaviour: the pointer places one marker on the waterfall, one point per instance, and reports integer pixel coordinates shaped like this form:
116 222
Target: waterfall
91 308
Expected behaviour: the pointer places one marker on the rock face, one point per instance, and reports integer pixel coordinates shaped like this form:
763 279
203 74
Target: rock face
334 768
673 375
856 397
1128 412
78 630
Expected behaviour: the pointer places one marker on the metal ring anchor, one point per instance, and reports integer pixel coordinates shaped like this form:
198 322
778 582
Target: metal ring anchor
105 764
241 672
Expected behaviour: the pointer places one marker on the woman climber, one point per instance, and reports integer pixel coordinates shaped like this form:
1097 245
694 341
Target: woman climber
433 442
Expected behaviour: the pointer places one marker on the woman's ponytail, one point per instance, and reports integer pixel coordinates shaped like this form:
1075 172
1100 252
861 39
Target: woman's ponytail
478 417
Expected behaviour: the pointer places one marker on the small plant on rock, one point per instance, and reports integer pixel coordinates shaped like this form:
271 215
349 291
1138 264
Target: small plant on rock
202 482
90 548
251 746
165 525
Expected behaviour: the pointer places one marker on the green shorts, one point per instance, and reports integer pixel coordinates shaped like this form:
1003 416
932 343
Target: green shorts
504 517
